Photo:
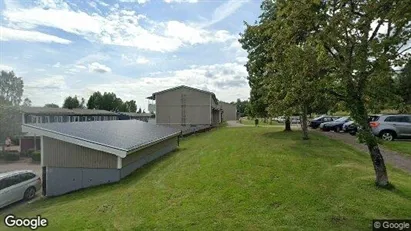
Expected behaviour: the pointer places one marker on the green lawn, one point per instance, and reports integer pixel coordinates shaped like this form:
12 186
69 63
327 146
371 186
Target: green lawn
399 146
260 122
238 179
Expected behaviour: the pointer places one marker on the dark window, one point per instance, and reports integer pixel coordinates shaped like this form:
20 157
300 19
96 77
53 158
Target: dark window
27 176
3 184
403 119
392 119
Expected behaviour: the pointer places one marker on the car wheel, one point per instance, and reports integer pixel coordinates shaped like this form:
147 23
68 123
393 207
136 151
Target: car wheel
387 136
337 129
29 193
353 133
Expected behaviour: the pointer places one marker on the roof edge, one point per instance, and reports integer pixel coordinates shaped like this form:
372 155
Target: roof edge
135 149
75 140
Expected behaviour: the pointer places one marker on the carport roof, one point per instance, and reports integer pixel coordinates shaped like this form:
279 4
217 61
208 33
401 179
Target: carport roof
118 137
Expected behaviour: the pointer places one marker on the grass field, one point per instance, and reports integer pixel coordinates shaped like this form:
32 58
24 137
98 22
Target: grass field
260 122
238 179
399 146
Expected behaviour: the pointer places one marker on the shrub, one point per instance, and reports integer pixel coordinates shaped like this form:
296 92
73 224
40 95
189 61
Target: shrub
28 152
36 156
11 156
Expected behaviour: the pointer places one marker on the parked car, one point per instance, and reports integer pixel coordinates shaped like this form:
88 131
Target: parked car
280 119
295 120
350 127
390 127
18 185
315 123
335 125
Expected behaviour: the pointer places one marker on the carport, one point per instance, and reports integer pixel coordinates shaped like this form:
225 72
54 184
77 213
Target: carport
84 154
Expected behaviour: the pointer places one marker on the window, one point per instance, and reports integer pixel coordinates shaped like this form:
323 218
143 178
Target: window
60 119
55 119
47 119
27 176
393 119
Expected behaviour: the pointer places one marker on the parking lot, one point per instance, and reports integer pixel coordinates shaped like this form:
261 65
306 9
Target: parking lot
394 158
22 164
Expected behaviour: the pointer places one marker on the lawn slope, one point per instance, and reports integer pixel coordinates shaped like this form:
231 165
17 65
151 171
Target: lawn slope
238 179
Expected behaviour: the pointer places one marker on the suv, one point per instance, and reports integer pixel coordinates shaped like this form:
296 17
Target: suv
389 127
18 185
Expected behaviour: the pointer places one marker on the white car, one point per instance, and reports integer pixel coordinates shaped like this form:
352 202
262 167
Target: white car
18 185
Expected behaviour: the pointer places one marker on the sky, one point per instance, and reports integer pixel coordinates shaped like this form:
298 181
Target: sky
130 47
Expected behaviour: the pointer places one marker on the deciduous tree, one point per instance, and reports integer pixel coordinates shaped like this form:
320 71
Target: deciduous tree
11 88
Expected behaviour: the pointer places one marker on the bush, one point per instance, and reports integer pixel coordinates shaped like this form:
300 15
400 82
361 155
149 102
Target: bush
36 156
11 156
28 152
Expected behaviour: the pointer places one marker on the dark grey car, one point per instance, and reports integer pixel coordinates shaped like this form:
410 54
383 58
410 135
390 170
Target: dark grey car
390 127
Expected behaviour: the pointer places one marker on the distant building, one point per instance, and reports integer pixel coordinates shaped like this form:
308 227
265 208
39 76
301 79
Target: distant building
229 111
40 115
186 108
135 116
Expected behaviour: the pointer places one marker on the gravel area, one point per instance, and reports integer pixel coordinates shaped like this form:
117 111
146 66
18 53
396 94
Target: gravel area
394 158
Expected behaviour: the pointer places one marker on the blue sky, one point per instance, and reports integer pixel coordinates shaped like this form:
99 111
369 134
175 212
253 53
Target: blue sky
129 47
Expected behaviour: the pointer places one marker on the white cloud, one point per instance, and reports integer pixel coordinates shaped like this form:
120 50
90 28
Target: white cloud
241 59
181 1
130 60
136 1
57 65
119 27
8 34
98 67
5 68
228 81
52 82
224 10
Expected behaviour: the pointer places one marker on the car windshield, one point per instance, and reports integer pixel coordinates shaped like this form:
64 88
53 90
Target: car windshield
341 119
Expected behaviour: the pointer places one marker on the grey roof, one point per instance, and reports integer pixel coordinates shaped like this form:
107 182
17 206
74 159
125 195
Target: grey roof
79 111
64 111
122 135
134 114
47 110
183 86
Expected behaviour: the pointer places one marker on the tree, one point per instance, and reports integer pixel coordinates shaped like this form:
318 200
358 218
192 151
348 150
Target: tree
27 102
139 110
11 88
242 107
71 102
403 86
51 105
364 40
110 102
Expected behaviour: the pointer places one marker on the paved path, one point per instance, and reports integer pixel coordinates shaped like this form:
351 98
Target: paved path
394 158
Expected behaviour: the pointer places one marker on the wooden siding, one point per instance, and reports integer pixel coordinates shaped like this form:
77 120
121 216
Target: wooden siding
62 154
147 151
170 109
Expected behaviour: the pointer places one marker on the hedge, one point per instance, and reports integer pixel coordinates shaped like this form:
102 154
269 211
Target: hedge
11 156
36 156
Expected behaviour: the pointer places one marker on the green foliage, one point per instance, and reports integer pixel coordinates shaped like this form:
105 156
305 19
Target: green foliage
36 156
11 156
10 122
11 88
403 84
27 102
51 105
110 102
243 107
73 102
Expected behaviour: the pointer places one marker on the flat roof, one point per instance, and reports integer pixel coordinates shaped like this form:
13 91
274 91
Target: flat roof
118 137
64 111
134 114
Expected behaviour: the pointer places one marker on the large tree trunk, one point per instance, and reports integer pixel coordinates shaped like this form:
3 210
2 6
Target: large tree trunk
304 123
287 124
359 113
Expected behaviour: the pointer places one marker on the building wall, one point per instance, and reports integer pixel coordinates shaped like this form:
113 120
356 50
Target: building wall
135 160
62 154
27 143
170 109
229 111
63 180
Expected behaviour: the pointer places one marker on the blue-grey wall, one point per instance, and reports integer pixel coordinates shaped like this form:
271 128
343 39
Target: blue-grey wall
144 159
63 180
